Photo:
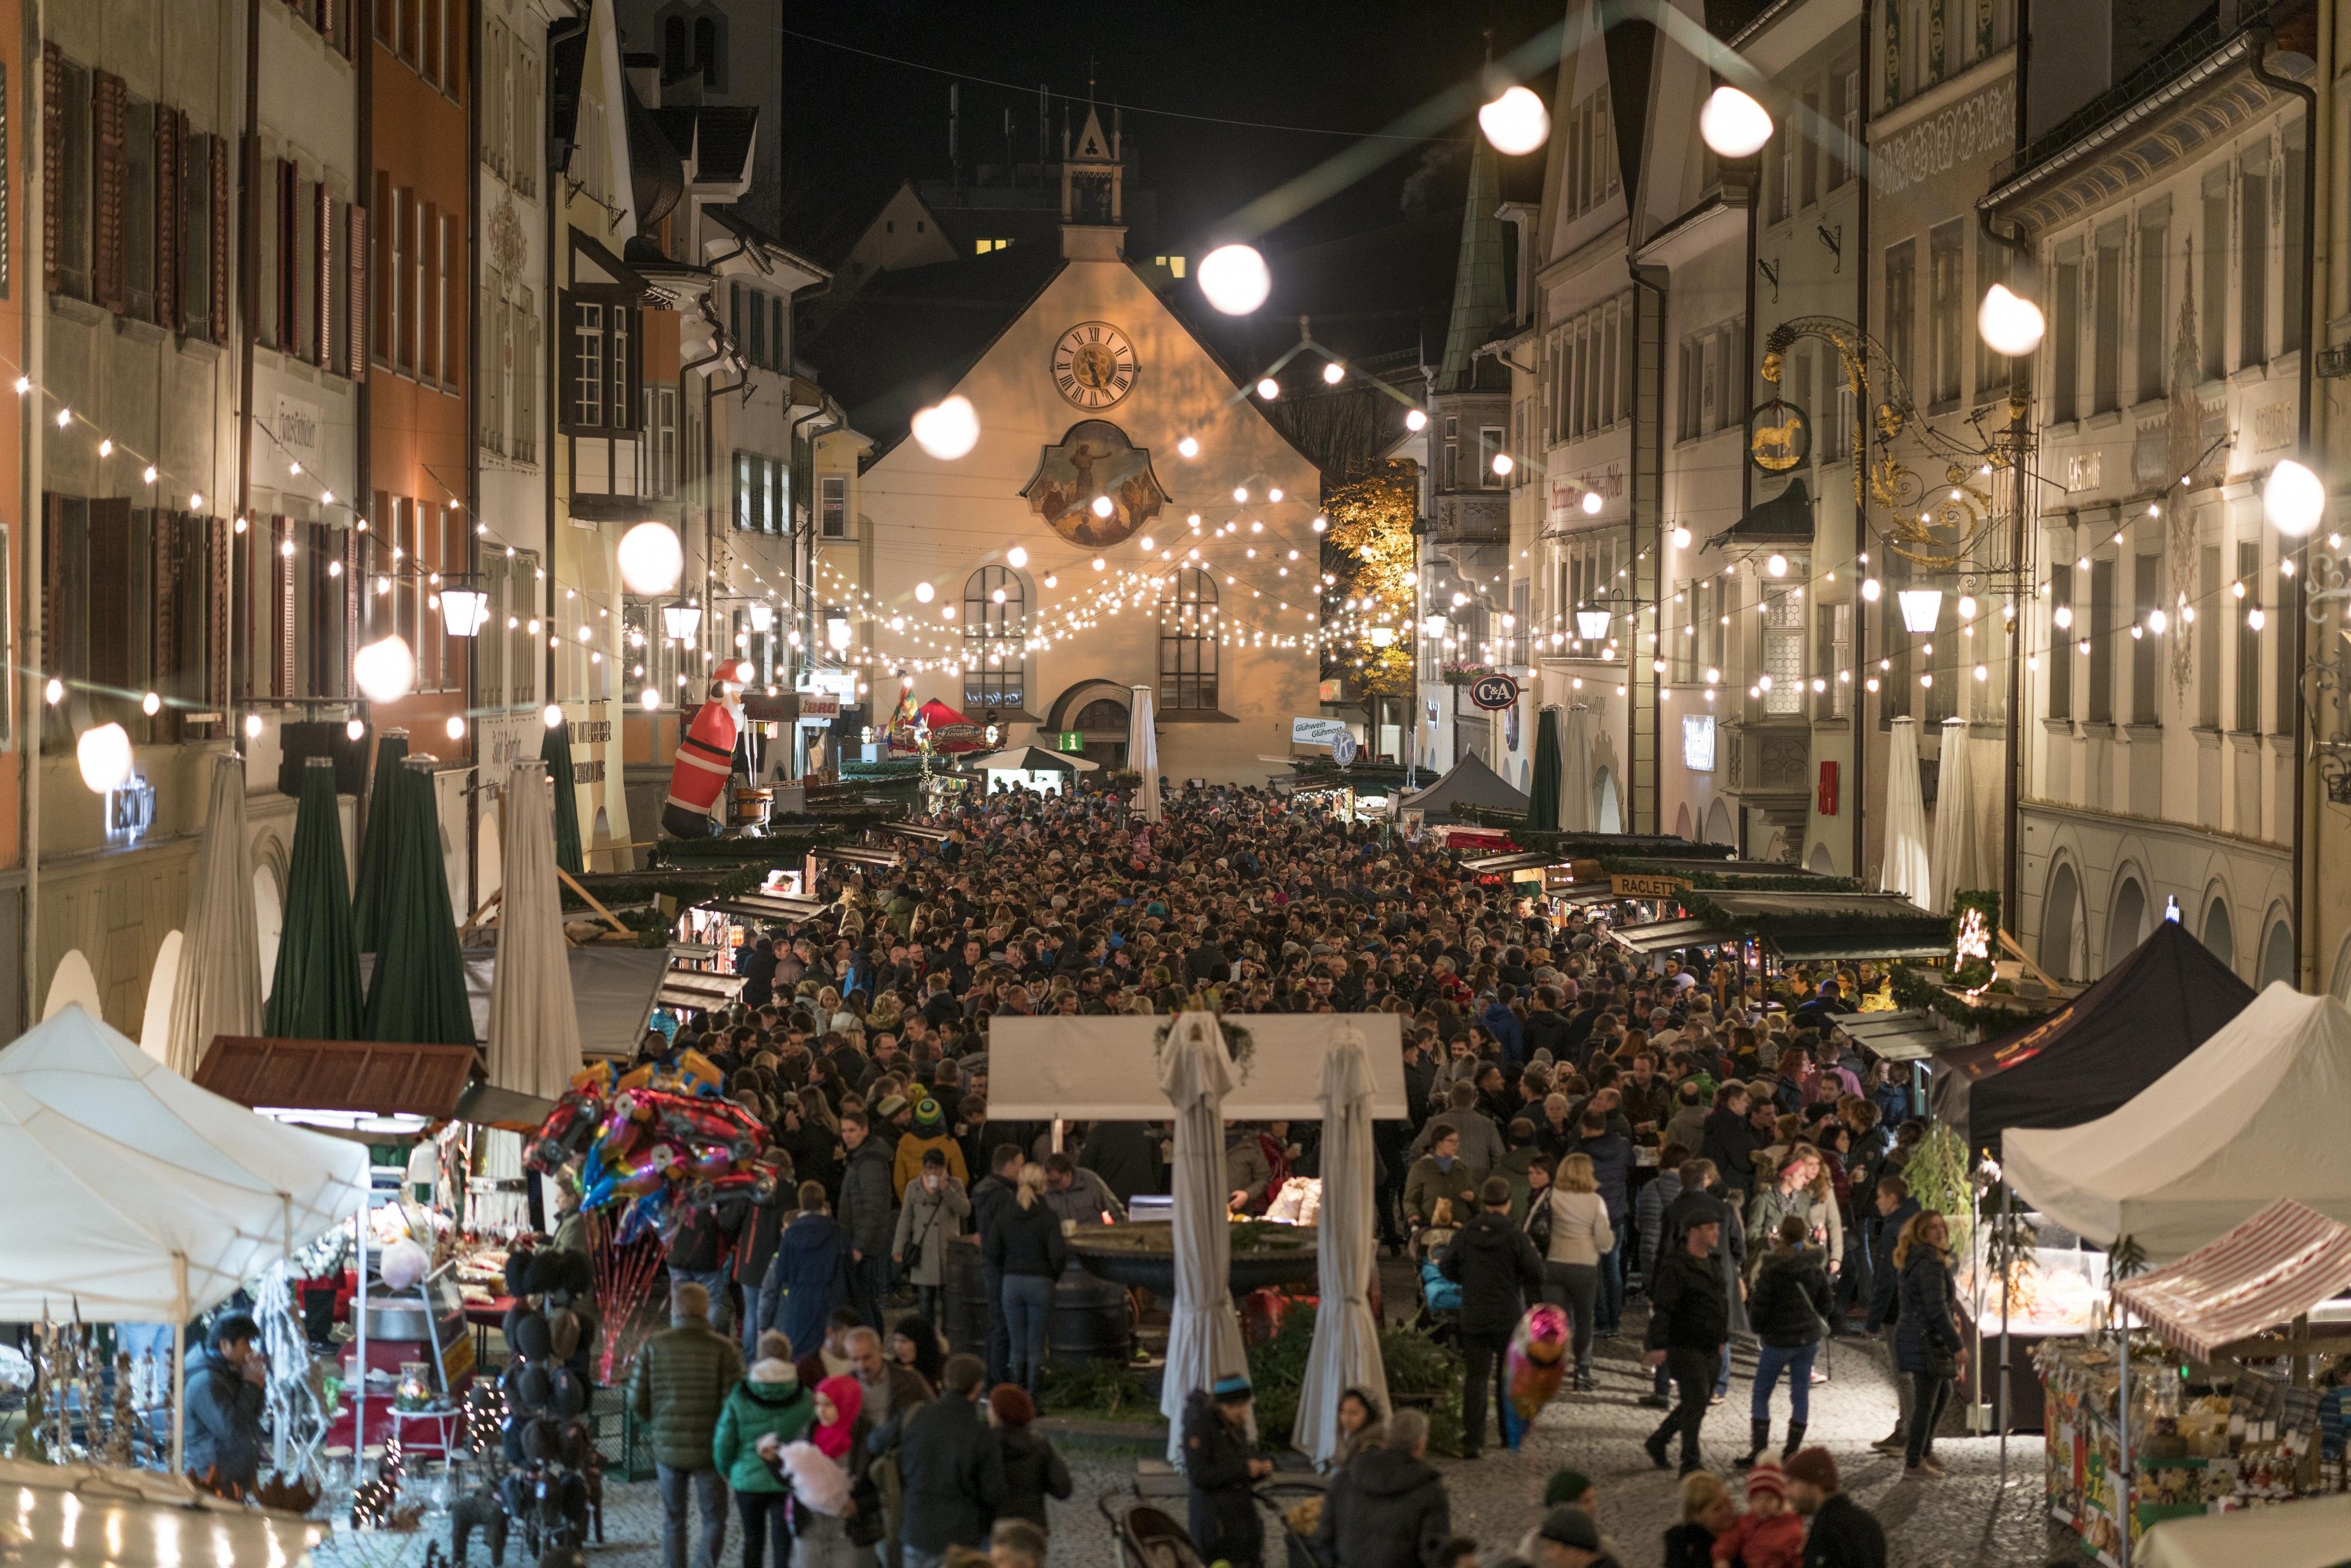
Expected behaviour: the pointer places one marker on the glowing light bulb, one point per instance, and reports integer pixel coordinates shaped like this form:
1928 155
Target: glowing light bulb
925 593
947 429
1016 558
1188 446
2008 323
1334 372
1733 124
1516 122
1415 420
1234 279
1268 388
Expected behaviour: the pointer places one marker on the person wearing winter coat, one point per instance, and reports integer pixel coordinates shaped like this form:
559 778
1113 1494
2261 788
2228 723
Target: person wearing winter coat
1927 1342
931 1134
1439 1175
951 1473
809 1275
1689 1324
867 1214
1387 1508
1707 1513
1125 1155
931 1217
836 1509
1581 1235
1730 1142
1611 1154
1497 1270
1789 1307
1033 1471
991 1198
1026 1249
678 1387
1504 1026
1893 1209
768 1402
225 1402
1649 1208
1248 1174
1481 1146
1218 1469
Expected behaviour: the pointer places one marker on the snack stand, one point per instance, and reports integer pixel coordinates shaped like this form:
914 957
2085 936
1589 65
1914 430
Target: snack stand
2208 1406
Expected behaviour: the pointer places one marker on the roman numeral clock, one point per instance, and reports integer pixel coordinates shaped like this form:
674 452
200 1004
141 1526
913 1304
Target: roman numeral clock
1093 364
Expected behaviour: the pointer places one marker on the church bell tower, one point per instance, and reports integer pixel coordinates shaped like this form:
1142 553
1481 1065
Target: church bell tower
1093 211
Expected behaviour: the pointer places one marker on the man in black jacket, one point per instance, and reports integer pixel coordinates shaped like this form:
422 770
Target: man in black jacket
1497 1270
950 1466
991 1195
1731 1144
1689 1323
1126 1155
1387 1509
1896 1208
1842 1534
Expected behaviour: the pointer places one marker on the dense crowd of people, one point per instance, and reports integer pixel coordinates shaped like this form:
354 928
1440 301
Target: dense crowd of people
1583 1130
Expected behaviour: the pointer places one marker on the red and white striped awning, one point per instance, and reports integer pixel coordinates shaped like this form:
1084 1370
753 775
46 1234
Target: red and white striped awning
2268 1270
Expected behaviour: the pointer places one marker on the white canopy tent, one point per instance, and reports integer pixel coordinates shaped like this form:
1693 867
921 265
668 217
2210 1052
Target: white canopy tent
534 1030
1346 1349
1083 1068
1203 1336
1906 870
2311 1533
2255 1114
1575 811
217 985
134 1196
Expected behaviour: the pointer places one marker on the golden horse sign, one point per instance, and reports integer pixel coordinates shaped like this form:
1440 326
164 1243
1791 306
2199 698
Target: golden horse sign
1779 437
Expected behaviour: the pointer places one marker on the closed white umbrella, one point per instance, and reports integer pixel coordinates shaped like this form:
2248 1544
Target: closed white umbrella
534 1026
1957 862
218 990
1203 1338
1142 754
1575 773
1346 1350
1905 868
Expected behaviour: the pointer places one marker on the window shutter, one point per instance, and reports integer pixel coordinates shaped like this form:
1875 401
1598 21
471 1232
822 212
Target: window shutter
322 267
171 147
218 198
53 159
567 357
109 265
355 253
289 226
112 632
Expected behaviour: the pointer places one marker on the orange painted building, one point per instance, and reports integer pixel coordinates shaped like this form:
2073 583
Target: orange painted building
417 454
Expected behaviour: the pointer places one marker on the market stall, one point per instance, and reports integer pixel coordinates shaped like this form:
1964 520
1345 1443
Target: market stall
2088 1058
2253 1114
2207 1404
1029 768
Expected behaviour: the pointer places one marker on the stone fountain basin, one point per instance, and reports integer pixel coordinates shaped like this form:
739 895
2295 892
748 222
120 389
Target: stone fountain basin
1143 1254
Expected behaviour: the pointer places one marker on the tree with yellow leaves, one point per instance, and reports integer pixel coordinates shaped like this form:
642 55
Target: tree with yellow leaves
1368 560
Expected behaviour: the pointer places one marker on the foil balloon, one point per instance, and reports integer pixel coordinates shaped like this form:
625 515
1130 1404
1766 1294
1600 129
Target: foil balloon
1533 1367
661 1140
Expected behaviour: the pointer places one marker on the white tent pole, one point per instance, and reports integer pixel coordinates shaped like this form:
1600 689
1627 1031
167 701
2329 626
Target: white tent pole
2122 1440
358 1332
179 1364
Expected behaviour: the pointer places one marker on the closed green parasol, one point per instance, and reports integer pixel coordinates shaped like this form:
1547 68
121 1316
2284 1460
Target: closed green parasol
316 993
417 994
367 900
1542 810
556 752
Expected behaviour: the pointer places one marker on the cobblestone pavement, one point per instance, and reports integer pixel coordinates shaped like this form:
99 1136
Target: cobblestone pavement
1964 1521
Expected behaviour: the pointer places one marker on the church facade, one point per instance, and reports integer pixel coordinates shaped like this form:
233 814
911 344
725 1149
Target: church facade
1125 517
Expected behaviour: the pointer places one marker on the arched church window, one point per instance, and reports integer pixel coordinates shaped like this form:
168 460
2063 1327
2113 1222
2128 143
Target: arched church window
995 616
1187 641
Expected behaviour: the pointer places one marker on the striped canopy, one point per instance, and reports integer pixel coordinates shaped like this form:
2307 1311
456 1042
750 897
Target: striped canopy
2268 1270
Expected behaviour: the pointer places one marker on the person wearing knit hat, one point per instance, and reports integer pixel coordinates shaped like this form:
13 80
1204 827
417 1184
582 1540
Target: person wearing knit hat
1768 1535
1844 1535
930 1131
1572 1487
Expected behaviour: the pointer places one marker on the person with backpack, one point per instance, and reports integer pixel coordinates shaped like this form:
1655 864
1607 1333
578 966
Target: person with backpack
1571 1229
1497 1268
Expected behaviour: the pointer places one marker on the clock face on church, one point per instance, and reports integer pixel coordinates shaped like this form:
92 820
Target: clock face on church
1093 364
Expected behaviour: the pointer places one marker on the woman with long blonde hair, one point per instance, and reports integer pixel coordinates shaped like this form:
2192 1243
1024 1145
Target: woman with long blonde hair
1573 1227
1026 1249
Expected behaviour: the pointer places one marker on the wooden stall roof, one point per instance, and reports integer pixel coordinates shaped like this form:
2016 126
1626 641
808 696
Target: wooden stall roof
357 1075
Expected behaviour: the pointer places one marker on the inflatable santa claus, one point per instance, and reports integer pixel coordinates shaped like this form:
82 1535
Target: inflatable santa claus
706 758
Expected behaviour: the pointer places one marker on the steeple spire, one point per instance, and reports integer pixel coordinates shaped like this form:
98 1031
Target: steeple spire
1479 301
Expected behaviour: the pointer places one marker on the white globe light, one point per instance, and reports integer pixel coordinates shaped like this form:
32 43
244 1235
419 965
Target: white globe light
1776 564
1681 536
1190 446
925 593
2008 323
1234 279
457 726
1334 372
652 560
104 754
1734 124
551 715
1269 389
253 726
1415 420
354 731
947 429
1503 465
1017 557
1592 504
1870 591
1102 507
386 671
2293 499
1967 606
650 698
1516 124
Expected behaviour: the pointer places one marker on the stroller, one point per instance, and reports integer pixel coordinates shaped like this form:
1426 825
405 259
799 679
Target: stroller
1149 1536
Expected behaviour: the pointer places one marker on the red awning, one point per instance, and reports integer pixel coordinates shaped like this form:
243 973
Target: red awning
2268 1270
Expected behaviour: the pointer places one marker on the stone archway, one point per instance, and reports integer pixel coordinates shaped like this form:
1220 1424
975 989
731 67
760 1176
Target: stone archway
2061 911
2277 953
2220 934
2126 919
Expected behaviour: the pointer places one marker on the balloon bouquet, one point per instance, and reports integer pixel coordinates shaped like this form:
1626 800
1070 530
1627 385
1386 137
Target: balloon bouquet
659 1143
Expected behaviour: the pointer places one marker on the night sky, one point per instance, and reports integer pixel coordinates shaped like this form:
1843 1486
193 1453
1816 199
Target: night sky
856 125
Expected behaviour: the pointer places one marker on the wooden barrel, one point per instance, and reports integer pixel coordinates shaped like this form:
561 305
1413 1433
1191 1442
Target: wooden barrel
962 1297
1091 1320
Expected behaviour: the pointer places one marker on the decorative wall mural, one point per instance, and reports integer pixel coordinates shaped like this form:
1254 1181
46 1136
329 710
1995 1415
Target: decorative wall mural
1096 487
